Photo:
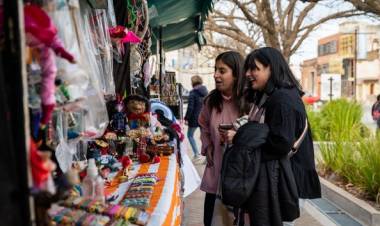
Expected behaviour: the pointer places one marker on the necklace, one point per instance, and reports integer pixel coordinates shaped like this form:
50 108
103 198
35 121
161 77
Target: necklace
226 97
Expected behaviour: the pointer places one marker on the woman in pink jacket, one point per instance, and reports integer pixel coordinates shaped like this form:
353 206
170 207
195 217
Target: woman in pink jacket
222 106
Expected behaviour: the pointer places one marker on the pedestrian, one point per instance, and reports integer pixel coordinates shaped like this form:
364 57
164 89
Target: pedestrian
222 106
194 106
376 112
276 93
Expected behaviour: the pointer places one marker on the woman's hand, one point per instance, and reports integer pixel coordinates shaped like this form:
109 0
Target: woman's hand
229 136
210 156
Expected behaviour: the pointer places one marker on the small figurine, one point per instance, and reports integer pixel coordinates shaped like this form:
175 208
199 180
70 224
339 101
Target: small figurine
156 159
119 119
93 151
138 111
125 162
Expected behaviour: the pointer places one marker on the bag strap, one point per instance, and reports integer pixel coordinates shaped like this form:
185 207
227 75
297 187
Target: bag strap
298 142
256 113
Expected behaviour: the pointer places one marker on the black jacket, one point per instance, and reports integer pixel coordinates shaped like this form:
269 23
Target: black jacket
195 105
241 164
285 115
274 197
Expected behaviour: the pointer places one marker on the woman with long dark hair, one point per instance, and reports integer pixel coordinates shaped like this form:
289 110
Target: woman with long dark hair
222 106
276 93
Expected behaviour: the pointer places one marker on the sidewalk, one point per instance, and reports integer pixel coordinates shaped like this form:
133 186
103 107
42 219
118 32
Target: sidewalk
193 204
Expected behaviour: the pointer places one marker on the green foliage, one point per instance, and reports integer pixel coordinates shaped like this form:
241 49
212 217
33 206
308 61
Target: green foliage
349 149
368 165
337 120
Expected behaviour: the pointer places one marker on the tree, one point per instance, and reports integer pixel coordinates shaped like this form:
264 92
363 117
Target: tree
277 23
370 6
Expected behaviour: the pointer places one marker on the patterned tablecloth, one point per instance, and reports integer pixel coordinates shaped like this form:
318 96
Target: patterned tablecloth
165 204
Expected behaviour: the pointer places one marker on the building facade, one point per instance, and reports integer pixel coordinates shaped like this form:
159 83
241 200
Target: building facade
352 53
310 80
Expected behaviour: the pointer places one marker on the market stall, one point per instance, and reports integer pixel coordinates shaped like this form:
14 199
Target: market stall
97 153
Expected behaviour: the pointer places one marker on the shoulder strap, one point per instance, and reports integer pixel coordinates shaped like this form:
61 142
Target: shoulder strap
298 142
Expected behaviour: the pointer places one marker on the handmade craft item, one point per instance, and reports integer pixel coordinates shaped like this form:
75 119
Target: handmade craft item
41 34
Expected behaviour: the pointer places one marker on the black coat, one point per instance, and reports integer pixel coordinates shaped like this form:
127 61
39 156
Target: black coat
274 197
285 115
195 105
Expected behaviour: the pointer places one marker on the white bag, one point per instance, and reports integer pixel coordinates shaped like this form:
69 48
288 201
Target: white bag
191 176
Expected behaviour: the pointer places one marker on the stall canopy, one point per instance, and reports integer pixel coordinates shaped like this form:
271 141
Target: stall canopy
181 21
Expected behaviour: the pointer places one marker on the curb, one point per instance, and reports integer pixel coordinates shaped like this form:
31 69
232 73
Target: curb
317 214
358 209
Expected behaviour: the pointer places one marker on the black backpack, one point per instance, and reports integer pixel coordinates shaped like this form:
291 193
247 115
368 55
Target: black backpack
241 163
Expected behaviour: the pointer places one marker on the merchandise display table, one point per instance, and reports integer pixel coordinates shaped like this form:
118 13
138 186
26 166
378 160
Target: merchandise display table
165 203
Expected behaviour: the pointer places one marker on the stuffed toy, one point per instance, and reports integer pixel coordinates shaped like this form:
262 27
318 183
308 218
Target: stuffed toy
42 167
138 111
41 34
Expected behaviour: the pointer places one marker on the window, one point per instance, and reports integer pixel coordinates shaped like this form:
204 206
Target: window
328 48
372 89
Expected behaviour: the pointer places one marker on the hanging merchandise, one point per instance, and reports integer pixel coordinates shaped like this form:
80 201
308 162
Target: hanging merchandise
138 32
111 14
41 34
169 89
98 45
80 83
64 151
75 79
147 73
120 35
98 4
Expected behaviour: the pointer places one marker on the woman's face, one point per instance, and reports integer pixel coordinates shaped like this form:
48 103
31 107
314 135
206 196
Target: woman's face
224 79
258 77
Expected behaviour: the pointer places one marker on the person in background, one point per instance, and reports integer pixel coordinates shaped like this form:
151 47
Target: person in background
376 112
223 105
196 96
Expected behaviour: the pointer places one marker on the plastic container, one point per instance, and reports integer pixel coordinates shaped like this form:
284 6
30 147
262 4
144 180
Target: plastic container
93 184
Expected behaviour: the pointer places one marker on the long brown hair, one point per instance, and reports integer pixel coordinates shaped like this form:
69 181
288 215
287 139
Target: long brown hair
234 61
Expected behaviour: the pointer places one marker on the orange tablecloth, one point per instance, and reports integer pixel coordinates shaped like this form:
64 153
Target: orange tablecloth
165 204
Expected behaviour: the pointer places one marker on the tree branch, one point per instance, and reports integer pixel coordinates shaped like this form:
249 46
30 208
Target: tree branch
371 6
236 36
343 14
302 15
311 27
219 46
248 14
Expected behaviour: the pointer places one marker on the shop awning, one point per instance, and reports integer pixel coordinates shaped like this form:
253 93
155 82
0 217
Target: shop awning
179 43
180 35
164 12
181 21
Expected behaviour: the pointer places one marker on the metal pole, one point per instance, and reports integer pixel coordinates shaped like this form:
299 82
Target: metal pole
355 61
331 94
161 59
14 130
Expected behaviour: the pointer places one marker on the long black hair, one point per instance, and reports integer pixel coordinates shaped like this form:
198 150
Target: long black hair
234 61
281 75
